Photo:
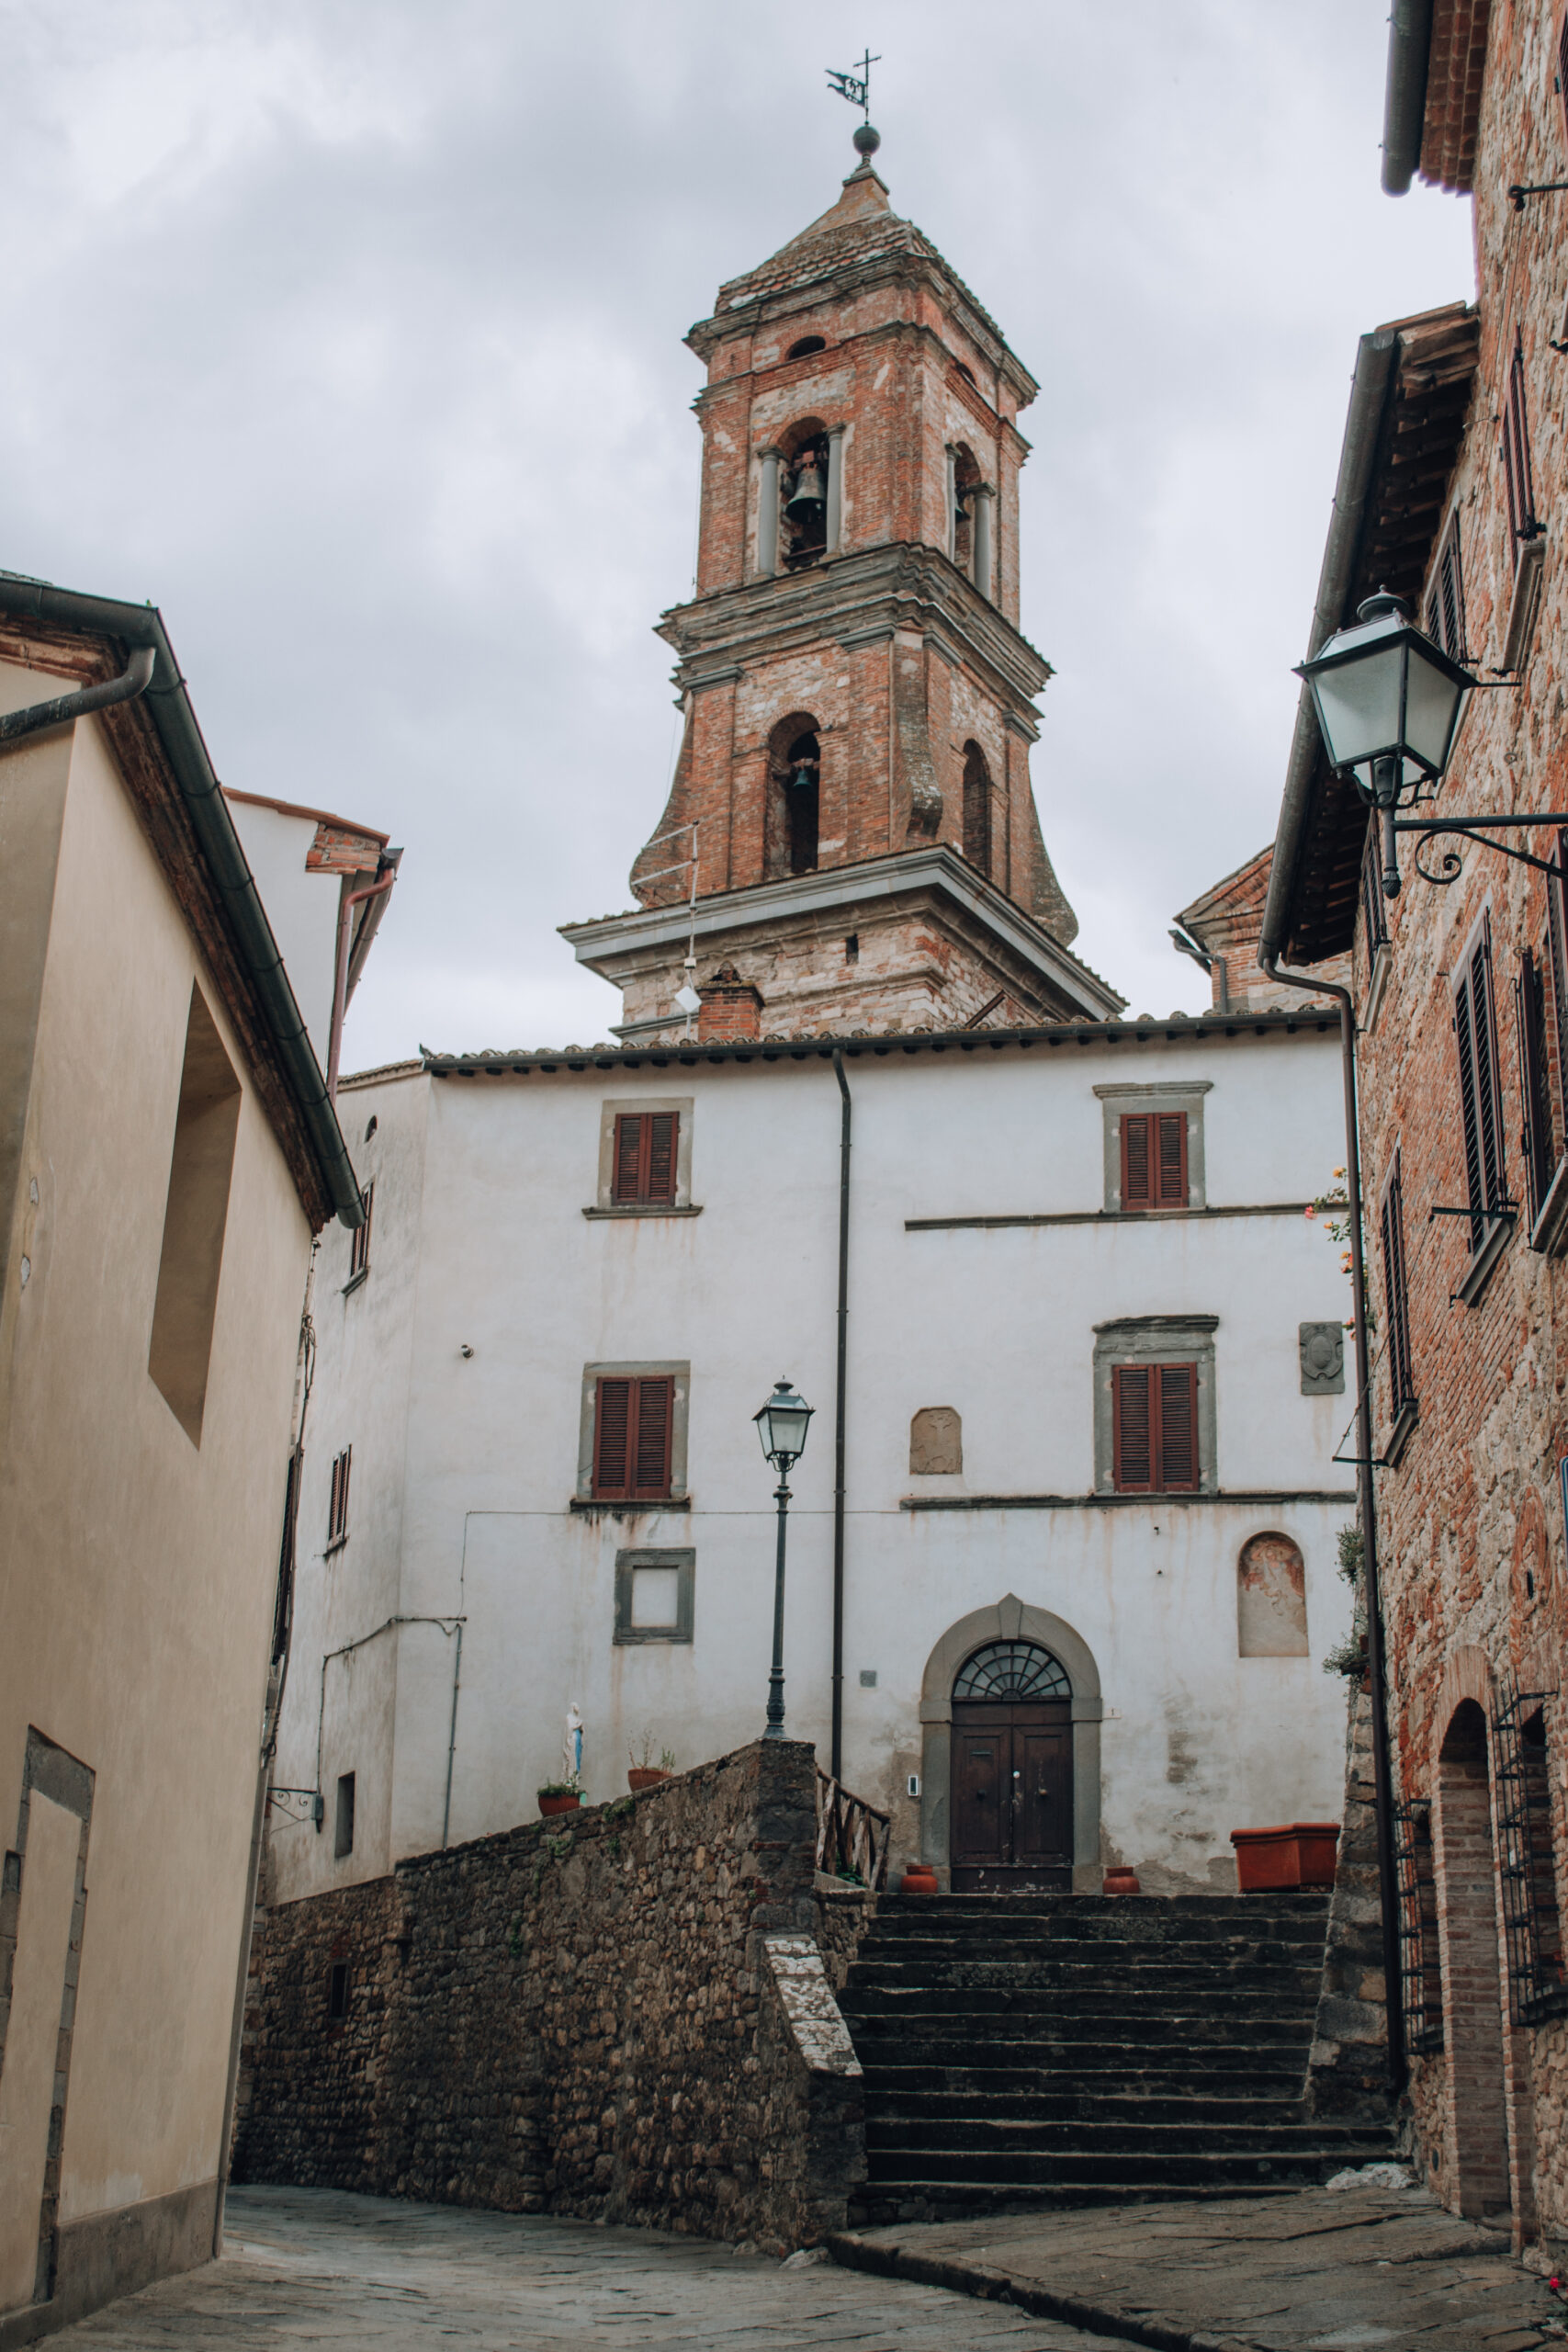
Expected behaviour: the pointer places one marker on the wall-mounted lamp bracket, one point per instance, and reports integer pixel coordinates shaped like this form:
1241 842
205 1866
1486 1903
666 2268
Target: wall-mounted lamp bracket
1474 829
1518 194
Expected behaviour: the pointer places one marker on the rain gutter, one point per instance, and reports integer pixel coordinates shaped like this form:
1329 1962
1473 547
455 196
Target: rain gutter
1404 93
140 627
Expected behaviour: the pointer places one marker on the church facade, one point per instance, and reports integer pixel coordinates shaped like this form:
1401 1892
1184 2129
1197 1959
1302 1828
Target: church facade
1063 1559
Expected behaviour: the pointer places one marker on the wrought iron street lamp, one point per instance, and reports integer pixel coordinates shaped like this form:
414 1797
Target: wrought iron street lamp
782 1425
1388 702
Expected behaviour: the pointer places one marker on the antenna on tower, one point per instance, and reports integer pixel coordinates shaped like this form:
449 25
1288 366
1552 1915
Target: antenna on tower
856 87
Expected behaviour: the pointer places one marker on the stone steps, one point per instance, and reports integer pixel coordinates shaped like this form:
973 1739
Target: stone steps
1058 2049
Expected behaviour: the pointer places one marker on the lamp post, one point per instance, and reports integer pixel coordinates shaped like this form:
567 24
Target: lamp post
1388 702
782 1425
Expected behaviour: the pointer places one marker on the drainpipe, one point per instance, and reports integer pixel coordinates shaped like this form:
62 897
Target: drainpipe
839 1407
1383 1771
133 680
352 898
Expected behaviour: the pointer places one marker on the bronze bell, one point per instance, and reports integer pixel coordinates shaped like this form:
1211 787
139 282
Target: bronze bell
809 498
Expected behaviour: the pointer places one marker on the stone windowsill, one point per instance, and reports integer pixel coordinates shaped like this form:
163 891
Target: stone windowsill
1251 1497
646 1208
355 1280
1406 1422
596 1507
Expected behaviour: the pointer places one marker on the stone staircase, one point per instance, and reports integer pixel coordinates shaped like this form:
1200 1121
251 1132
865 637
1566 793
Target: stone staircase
1073 2050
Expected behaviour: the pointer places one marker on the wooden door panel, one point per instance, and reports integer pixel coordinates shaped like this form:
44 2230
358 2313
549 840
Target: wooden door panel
1044 1815
980 1782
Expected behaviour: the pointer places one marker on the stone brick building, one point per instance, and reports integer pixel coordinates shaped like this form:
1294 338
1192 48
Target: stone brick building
1450 492
851 840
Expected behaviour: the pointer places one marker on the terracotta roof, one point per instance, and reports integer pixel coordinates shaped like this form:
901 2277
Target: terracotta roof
1418 442
1180 1028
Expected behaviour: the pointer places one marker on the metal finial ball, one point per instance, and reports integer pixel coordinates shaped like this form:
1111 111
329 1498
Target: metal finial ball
867 140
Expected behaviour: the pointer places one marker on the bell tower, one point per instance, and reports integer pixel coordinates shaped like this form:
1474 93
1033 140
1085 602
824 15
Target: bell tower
850 841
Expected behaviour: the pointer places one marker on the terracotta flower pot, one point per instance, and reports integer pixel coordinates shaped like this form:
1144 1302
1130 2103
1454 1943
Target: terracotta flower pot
1282 1860
558 1804
646 1776
1120 1882
919 1878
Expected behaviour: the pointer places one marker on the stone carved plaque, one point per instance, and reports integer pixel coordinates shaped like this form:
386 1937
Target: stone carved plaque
936 1442
1323 1359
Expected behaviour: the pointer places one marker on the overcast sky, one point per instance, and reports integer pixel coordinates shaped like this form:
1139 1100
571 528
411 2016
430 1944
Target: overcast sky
348 332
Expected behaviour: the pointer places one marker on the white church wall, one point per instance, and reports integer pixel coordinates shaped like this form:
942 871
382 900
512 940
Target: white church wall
480 1452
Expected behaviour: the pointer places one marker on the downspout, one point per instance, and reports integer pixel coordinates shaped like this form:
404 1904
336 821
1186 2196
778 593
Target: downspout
352 898
64 709
838 1410
1383 1771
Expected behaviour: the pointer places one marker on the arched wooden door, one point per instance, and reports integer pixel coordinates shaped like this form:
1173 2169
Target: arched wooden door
1011 1807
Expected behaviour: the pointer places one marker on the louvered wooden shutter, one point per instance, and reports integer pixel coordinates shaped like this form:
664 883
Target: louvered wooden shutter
1518 472
661 1156
655 1411
629 1157
1172 1159
1401 1382
1535 1134
633 1426
1557 990
1177 1431
645 1155
1475 1033
612 1436
1134 1428
1563 70
1136 1172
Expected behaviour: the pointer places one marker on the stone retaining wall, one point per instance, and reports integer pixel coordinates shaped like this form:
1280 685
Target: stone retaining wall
621 2013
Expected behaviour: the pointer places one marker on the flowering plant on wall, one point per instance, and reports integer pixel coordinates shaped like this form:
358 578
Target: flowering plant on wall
1333 1207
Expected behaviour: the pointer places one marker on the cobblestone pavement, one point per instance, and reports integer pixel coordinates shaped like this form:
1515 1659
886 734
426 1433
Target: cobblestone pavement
1315 2271
317 2267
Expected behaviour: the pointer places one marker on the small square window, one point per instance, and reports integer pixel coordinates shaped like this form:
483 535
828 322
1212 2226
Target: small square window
654 1595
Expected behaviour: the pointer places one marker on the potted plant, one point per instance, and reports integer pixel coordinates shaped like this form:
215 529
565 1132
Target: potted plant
559 1796
644 1774
1285 1860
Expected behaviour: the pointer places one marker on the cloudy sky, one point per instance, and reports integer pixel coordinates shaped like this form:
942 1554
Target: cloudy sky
349 333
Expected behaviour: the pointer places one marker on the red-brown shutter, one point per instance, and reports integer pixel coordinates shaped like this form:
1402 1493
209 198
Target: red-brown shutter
1171 1166
628 1157
1178 1450
612 1435
1136 1170
1134 1432
661 1156
655 1413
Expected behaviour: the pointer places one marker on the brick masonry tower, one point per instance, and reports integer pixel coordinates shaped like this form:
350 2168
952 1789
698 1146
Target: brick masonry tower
853 786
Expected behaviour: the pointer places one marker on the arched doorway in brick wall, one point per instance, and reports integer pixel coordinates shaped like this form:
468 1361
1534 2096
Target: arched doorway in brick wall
1473 1992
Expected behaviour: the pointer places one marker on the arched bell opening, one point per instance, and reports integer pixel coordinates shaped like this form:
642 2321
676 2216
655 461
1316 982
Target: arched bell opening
795 787
1012 1661
803 489
977 810
966 479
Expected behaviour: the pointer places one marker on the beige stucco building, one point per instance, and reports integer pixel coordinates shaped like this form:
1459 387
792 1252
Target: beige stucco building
167 1149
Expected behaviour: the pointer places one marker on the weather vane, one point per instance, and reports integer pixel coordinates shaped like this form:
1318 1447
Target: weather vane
856 87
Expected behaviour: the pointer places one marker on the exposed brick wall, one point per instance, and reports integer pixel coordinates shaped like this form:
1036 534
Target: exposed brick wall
620 2014
1470 1531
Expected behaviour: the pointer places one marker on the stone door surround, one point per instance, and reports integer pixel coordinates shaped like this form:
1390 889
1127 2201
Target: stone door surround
1011 1620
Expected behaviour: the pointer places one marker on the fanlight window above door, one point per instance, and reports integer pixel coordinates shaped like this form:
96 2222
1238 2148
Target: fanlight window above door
1012 1670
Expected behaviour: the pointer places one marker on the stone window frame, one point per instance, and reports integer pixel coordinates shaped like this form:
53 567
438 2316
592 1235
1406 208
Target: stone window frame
1155 1339
616 1106
1183 1094
682 1558
640 1369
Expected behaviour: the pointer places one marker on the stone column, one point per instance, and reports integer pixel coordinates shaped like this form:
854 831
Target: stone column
980 507
835 486
952 502
768 516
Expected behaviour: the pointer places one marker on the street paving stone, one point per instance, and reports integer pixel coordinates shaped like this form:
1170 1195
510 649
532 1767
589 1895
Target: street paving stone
321 2268
1313 2271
